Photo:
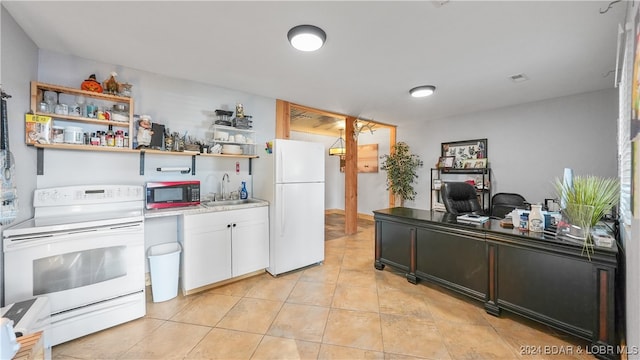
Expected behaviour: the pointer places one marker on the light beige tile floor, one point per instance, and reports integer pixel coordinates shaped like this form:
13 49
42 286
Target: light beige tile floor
342 309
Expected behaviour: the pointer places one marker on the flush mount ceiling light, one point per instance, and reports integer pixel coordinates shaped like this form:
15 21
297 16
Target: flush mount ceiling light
306 37
422 91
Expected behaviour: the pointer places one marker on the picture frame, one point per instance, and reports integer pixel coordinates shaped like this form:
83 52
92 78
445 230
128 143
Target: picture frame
464 150
446 162
475 163
368 158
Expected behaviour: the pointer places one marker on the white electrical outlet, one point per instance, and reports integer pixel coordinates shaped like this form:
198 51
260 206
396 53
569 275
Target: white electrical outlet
147 279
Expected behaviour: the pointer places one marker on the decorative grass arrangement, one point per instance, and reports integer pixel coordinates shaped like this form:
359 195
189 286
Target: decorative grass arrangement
600 194
401 169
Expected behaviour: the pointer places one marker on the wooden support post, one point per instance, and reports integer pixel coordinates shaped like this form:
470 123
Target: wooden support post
351 179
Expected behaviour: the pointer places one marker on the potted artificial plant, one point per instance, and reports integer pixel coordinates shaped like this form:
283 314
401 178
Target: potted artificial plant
587 200
401 168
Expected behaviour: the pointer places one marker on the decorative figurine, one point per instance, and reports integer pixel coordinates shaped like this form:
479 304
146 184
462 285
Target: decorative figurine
239 110
111 85
144 131
91 84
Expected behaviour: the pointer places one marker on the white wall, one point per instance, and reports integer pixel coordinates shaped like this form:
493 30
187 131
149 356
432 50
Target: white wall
372 188
529 145
18 61
179 105
182 106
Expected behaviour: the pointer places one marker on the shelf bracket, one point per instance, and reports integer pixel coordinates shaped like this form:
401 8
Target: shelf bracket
40 161
141 162
193 164
250 166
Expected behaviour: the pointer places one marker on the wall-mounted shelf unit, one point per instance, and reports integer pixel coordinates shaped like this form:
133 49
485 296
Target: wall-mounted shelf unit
40 92
40 155
38 95
228 135
482 179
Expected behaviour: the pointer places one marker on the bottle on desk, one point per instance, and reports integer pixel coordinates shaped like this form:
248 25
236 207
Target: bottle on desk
524 222
536 220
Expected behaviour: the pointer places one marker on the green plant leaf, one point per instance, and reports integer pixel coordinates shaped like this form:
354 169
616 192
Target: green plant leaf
401 169
601 193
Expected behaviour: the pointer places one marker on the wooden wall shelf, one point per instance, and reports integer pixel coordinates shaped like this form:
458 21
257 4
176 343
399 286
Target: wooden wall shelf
142 152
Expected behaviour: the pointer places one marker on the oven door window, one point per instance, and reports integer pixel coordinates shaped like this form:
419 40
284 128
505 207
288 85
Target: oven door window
77 269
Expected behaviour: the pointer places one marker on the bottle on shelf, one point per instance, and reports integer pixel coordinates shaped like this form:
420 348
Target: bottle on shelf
119 138
111 139
95 139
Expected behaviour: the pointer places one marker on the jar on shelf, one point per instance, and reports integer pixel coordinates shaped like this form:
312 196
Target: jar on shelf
57 134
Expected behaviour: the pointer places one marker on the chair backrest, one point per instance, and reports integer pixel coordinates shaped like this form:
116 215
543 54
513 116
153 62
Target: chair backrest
504 203
460 197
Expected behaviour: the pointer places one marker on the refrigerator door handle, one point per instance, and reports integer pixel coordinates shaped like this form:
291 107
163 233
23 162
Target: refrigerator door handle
282 209
281 166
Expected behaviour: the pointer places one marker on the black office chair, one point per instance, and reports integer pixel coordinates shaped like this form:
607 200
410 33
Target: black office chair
504 203
460 198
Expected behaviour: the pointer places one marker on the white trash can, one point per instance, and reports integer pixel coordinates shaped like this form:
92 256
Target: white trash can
164 265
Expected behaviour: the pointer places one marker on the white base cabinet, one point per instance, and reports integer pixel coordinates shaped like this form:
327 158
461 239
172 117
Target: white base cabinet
221 245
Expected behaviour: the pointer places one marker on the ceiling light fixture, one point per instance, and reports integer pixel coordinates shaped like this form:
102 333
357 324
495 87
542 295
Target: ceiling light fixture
422 91
338 147
306 37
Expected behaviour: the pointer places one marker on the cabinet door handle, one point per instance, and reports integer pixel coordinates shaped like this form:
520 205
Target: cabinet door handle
234 225
228 225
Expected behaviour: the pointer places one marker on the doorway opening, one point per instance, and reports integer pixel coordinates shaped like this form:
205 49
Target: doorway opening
300 118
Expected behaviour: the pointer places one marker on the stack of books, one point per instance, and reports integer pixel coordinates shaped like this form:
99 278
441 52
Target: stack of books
472 219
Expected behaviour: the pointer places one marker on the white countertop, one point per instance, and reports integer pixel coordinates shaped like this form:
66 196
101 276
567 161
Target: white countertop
201 209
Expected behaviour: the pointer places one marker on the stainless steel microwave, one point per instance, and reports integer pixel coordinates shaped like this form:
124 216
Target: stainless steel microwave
167 194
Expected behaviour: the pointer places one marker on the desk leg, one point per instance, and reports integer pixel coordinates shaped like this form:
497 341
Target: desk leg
377 263
605 340
411 275
491 304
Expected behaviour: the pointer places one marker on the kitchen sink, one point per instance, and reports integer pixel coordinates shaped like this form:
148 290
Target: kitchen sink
229 202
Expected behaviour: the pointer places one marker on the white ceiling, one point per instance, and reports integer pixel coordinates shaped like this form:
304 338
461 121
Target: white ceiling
375 50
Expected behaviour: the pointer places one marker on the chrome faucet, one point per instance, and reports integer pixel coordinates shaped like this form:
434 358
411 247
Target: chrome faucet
222 187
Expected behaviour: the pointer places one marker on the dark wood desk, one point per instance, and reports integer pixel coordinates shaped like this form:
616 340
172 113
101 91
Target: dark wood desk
547 280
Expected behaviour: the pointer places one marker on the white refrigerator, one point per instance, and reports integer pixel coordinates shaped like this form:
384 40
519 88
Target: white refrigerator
291 178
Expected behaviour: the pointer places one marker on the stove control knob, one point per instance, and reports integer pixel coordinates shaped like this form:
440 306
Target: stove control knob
43 196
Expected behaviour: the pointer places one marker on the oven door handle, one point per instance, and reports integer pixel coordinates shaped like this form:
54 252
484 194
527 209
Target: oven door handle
27 241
